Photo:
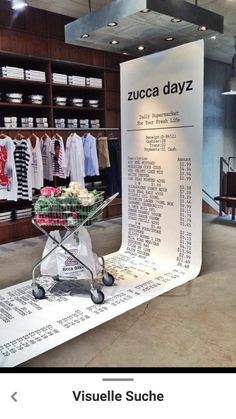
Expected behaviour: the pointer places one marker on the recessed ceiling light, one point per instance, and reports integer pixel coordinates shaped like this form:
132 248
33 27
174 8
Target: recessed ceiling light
19 4
112 24
169 38
85 35
212 37
145 10
141 47
175 20
114 42
125 53
202 28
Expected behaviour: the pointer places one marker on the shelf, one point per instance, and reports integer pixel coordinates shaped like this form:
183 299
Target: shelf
77 108
16 222
113 90
22 105
70 86
17 230
20 81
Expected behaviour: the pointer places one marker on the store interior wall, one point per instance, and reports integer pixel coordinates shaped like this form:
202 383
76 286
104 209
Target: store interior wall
219 130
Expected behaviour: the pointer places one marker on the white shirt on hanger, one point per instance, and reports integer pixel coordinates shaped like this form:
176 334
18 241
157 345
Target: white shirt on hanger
36 164
75 158
45 144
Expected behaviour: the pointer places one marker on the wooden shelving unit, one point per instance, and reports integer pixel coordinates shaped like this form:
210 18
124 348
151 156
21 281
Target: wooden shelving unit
108 113
50 90
35 40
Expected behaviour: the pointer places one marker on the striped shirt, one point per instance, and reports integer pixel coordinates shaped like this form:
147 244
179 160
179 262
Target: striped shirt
59 157
22 163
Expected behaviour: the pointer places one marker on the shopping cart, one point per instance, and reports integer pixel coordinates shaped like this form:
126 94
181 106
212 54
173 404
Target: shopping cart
70 216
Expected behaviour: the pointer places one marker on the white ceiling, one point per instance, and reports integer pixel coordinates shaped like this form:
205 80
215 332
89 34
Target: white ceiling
73 8
221 49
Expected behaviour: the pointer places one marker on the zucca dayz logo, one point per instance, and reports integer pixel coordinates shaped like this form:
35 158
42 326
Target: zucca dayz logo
169 89
70 261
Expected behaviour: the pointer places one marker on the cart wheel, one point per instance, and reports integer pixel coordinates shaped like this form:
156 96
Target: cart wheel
108 279
38 292
97 296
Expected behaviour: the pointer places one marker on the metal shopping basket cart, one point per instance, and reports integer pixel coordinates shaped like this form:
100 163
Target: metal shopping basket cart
71 216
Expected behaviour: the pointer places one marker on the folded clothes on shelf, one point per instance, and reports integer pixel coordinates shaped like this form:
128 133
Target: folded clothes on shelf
10 121
14 97
94 82
42 122
36 99
29 125
23 213
35 75
95 123
72 123
92 103
77 102
60 100
60 123
10 118
28 119
45 125
12 72
5 216
59 78
84 123
77 80
27 122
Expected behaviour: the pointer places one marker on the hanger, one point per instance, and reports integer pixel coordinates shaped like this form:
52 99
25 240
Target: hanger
33 137
102 138
101 134
44 136
19 136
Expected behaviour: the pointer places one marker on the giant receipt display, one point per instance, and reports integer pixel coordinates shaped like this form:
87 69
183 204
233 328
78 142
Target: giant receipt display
162 114
162 117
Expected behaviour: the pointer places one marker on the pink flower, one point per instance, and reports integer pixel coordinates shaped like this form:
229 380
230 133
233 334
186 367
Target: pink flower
49 191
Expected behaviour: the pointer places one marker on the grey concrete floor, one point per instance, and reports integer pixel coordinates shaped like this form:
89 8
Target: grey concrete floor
191 326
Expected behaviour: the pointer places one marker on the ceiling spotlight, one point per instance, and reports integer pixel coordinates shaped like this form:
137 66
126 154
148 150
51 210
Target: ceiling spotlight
145 10
175 20
140 47
125 53
230 87
19 4
85 35
114 42
202 28
212 37
112 24
169 38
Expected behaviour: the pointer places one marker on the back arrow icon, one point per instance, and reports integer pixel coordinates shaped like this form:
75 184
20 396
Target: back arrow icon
13 396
